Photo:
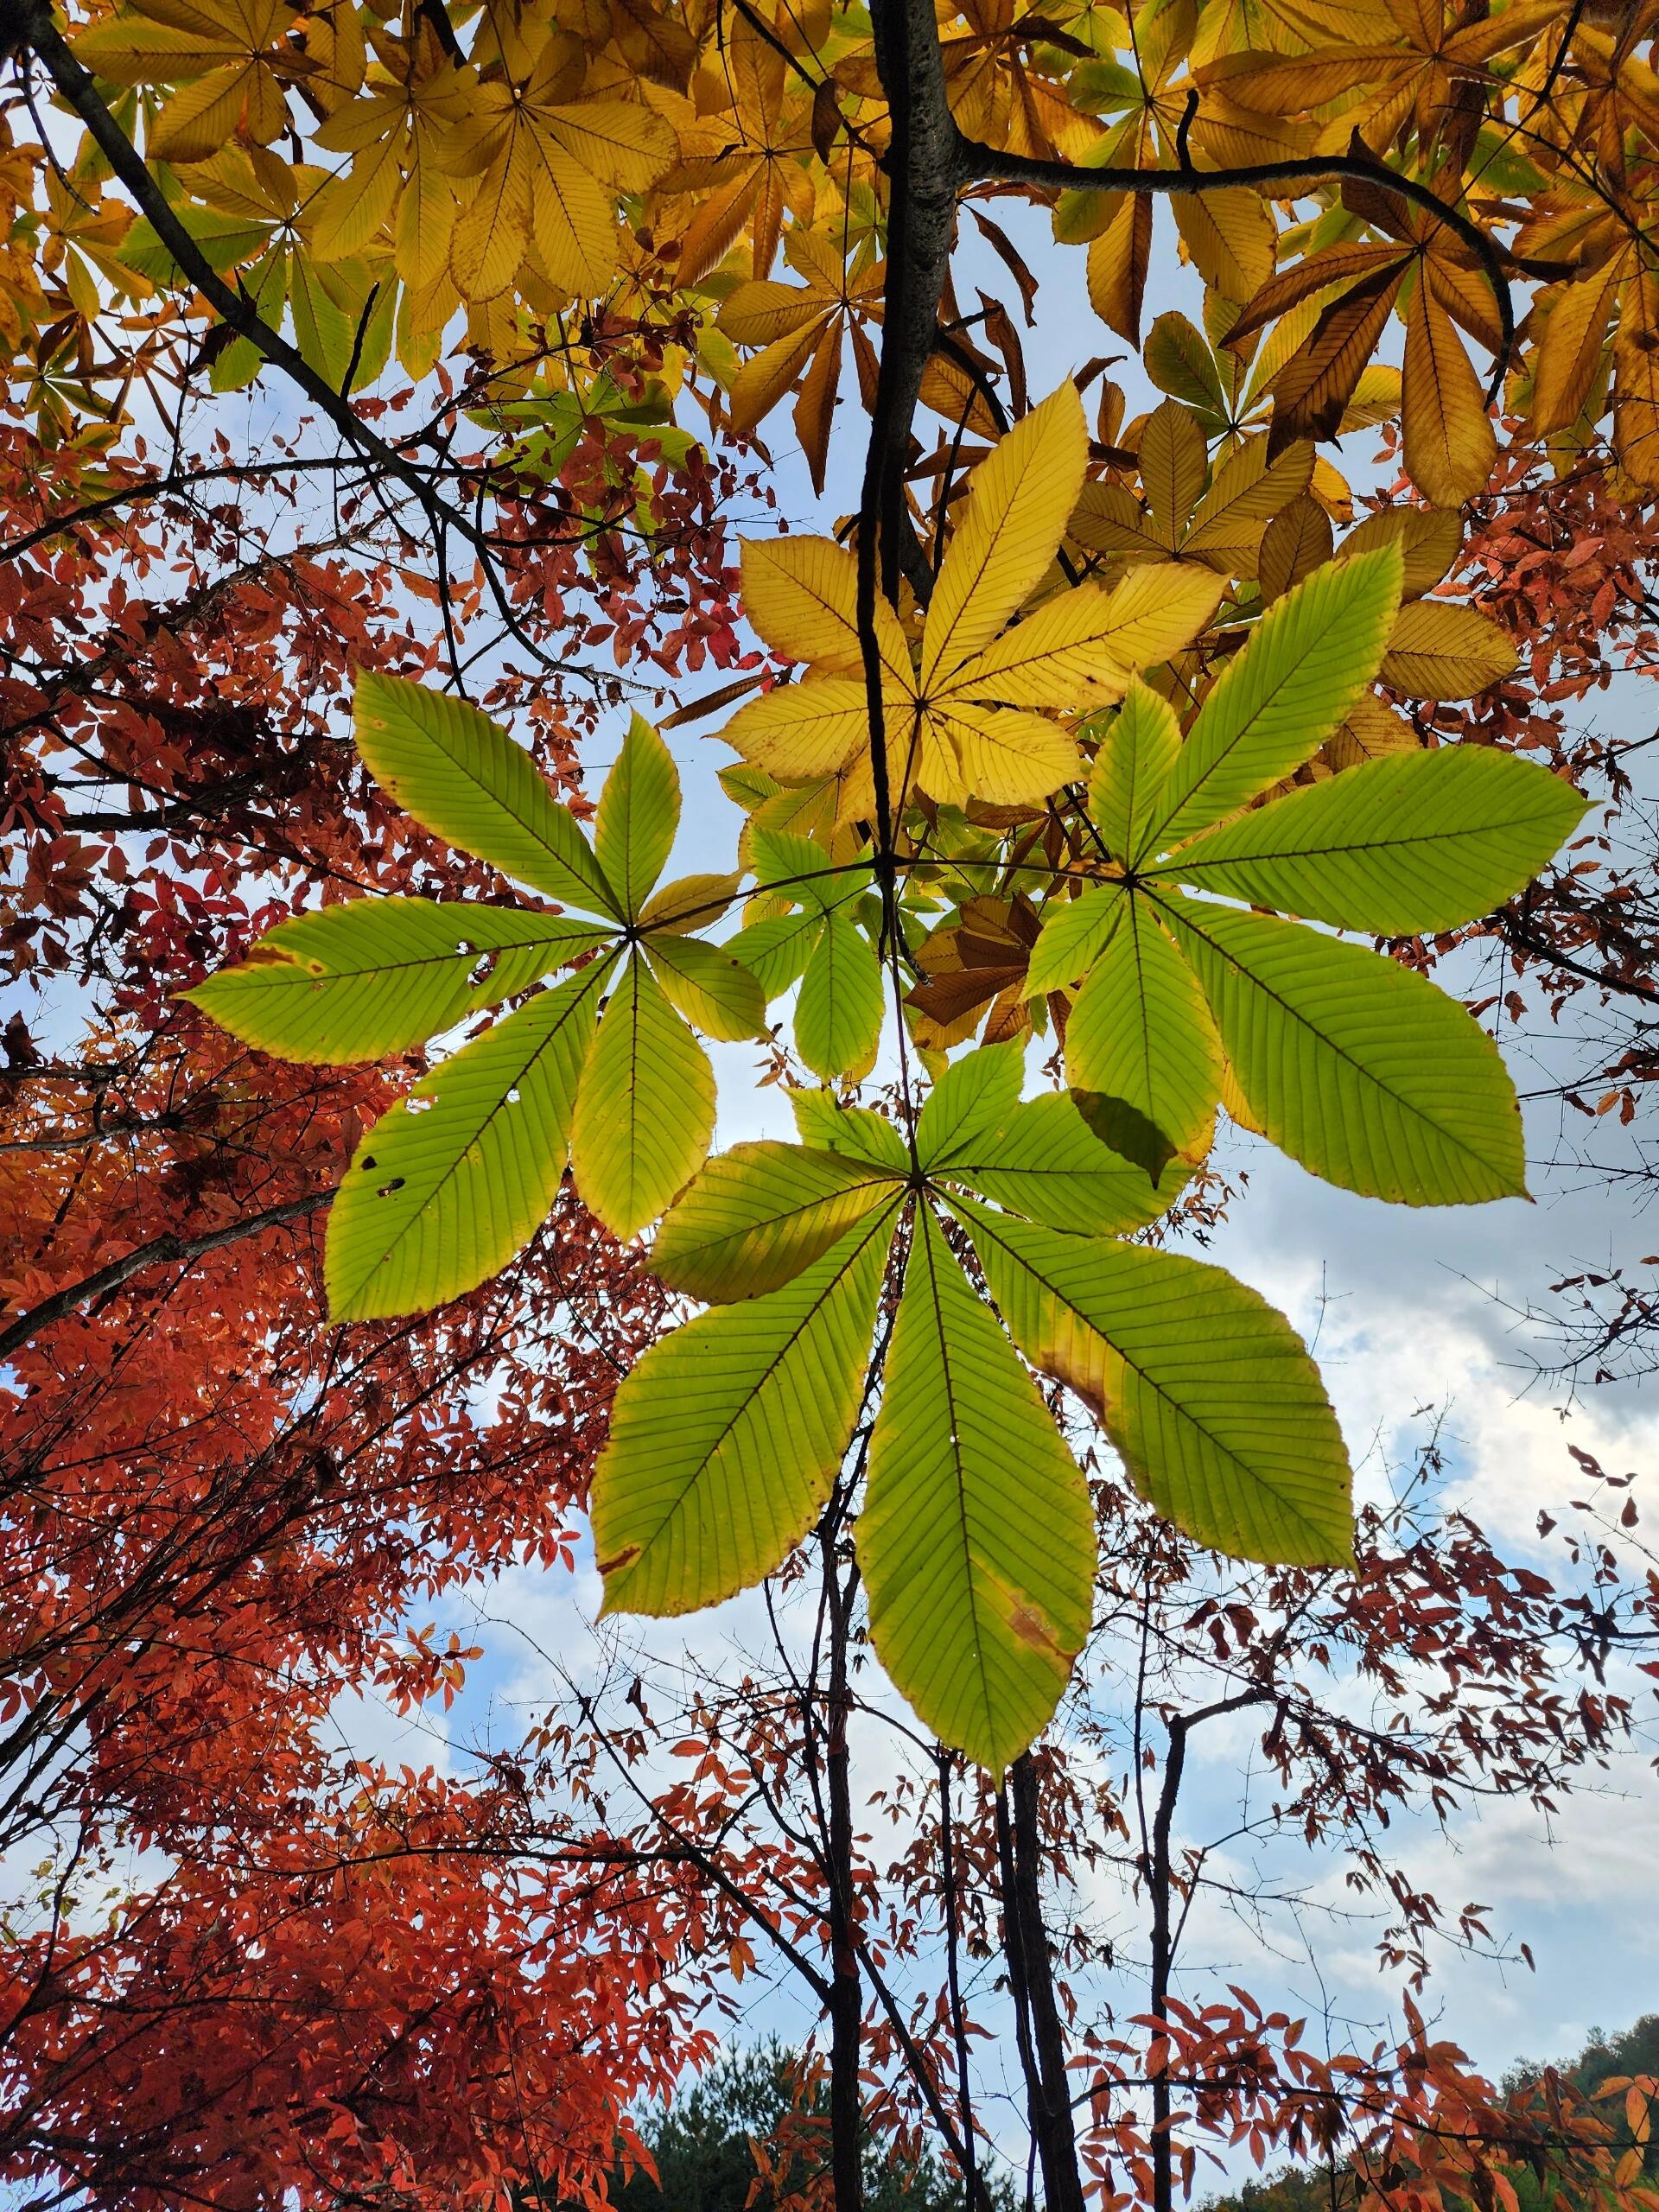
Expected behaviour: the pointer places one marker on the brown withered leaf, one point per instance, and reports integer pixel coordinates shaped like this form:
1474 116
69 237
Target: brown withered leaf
982 961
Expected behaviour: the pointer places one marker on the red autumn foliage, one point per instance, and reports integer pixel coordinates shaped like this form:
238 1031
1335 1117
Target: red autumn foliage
255 1965
259 1967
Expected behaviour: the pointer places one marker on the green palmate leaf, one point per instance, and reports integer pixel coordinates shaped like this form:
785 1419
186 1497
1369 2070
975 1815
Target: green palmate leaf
222 239
449 1184
776 950
320 329
639 814
1178 360
355 983
853 1131
1074 935
1136 755
1422 841
1141 1053
838 1015
1048 1163
976 1540
1278 700
460 774
713 991
646 1109
1205 1390
266 284
725 1438
803 871
1361 1070
758 1215
970 1104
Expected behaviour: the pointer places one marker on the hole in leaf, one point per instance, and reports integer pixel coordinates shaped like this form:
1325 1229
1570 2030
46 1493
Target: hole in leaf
513 1097
370 1162
386 1189
420 1105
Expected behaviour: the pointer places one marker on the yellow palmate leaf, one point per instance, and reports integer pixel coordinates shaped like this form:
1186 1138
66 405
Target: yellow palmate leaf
1429 539
1009 758
350 209
1247 491
176 41
803 730
763 381
1370 731
1231 238
1440 651
572 221
1020 497
492 232
1158 612
396 131
423 233
738 168
762 313
1062 655
1108 519
1079 650
967 732
617 143
551 172
1450 443
801 593
1172 467
798 324
814 402
1117 269
1636 382
1294 544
